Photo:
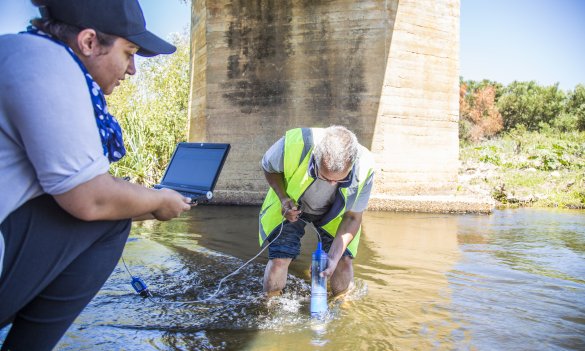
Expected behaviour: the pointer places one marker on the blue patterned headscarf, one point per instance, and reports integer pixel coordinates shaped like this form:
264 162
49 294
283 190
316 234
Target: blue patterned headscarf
109 128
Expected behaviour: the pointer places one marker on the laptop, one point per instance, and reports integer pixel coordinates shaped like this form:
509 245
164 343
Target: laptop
194 169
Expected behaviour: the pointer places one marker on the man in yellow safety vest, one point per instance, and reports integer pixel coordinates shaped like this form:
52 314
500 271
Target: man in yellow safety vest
321 176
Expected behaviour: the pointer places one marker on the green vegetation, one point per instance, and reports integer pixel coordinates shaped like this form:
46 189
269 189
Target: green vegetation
524 145
151 107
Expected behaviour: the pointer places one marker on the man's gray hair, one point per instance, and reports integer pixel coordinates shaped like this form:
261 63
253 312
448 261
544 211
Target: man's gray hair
338 149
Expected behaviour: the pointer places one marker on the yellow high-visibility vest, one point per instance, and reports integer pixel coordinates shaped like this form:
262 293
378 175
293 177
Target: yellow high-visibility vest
299 175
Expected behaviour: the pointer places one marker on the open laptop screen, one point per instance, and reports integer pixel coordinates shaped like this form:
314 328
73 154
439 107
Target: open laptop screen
195 165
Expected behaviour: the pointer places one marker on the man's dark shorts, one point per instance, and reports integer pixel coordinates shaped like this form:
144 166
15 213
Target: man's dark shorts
288 243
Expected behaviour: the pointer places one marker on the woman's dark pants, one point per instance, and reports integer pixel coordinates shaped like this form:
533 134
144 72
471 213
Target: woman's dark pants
54 264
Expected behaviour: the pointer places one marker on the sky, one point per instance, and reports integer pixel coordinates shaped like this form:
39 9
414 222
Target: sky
501 40
507 40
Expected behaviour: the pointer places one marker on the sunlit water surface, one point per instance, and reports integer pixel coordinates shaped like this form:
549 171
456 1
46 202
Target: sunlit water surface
513 280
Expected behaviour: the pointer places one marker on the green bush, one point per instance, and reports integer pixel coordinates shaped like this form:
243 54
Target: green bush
490 154
575 106
566 122
539 157
544 169
528 104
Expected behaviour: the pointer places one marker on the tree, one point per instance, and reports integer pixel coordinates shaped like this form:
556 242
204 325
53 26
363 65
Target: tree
576 106
479 116
530 105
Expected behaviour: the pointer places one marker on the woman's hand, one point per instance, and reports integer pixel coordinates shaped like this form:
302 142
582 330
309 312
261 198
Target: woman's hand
172 206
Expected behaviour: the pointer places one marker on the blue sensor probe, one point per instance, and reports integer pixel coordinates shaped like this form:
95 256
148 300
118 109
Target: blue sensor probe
140 287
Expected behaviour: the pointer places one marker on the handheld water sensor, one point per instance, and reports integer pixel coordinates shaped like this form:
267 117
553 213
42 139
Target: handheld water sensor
140 287
318 283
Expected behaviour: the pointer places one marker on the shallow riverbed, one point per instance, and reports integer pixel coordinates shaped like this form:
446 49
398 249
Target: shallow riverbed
513 280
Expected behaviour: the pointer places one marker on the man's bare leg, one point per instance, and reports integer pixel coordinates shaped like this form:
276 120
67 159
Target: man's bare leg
275 276
342 279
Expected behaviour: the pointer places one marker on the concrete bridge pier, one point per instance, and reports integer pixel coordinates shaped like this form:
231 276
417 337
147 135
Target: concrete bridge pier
386 69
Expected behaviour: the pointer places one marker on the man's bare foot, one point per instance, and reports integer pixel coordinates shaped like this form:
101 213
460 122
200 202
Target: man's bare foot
270 294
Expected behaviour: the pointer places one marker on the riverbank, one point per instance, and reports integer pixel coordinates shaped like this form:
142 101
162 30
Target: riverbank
526 169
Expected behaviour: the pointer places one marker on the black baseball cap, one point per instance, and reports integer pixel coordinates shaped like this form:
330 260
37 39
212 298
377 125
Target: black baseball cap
122 18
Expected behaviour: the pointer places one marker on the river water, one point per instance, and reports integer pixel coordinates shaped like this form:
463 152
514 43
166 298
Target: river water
512 280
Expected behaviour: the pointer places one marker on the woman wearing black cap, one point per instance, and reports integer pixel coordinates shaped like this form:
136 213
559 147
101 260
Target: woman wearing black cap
64 218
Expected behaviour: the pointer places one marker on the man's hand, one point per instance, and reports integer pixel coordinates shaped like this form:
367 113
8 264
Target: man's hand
331 265
349 226
290 210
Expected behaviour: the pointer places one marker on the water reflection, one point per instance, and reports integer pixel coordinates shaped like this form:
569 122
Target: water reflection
407 256
514 280
521 282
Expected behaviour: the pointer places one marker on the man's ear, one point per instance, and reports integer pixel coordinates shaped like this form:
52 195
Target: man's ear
87 42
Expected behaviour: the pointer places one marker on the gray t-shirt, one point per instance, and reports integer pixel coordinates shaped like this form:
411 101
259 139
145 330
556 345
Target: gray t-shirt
318 198
49 141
